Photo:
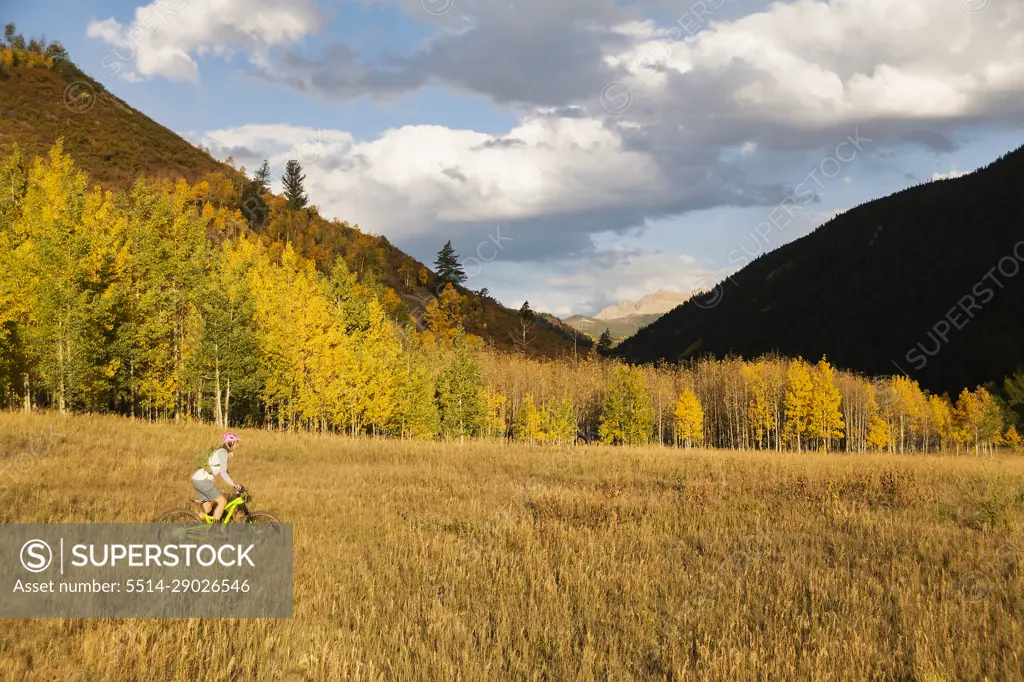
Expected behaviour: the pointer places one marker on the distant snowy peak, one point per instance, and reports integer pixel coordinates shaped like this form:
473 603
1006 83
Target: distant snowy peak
658 303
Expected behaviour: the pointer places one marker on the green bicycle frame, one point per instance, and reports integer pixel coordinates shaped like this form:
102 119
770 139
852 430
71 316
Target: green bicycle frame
229 511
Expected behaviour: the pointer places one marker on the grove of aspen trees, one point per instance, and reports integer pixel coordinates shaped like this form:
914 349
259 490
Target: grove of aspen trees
154 303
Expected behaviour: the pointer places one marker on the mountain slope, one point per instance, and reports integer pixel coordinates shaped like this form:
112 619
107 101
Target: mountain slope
909 282
115 144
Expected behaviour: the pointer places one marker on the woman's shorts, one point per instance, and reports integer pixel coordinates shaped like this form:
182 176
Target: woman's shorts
207 490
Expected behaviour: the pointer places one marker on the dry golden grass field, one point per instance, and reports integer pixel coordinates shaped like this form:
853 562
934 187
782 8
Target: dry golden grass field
429 561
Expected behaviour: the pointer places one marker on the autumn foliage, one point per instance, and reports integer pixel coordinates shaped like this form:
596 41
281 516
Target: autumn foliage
162 303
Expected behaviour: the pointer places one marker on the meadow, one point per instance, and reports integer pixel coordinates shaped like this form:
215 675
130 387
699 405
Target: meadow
488 561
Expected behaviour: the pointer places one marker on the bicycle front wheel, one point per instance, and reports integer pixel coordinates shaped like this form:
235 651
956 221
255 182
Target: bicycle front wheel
263 518
268 525
179 516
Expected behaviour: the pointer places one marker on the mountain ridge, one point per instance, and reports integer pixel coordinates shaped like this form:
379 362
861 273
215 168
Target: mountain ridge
658 303
620 327
874 289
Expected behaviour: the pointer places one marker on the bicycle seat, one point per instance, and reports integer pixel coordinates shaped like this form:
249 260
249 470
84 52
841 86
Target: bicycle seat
199 501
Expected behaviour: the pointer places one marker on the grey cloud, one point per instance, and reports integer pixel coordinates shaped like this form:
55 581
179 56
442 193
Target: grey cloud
540 65
570 112
347 163
536 52
238 153
549 237
455 174
549 54
338 74
501 143
934 140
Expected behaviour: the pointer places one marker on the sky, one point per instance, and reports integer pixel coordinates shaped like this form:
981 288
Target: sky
575 152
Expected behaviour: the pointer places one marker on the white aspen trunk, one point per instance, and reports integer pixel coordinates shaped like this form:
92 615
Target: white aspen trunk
216 389
227 405
61 387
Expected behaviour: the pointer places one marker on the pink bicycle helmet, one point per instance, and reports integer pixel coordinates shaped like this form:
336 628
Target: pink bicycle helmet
229 438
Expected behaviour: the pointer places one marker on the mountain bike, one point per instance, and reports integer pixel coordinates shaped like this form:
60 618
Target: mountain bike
237 510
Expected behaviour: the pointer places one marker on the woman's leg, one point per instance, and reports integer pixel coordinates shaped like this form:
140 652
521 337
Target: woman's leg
207 493
219 511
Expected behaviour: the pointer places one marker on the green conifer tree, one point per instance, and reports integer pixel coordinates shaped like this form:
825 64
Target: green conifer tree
449 270
262 176
294 185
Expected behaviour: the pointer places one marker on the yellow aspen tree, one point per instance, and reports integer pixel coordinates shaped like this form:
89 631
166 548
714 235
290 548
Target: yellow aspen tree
527 425
393 304
760 406
825 421
379 359
495 424
1012 439
347 380
799 402
420 417
328 376
992 419
969 416
444 316
314 334
71 259
908 409
689 420
942 419
558 421
276 311
979 419
878 434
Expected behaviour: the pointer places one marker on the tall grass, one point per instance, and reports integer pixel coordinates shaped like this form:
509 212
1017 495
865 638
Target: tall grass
429 561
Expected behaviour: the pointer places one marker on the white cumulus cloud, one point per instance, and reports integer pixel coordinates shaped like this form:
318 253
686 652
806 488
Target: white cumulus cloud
953 173
165 37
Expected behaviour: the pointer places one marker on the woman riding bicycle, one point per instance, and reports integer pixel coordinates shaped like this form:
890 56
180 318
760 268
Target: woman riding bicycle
212 464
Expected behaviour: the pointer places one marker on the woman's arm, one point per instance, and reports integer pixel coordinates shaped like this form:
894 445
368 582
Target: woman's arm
224 471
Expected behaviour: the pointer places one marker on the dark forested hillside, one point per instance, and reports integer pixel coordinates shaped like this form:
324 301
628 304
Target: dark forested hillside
45 97
926 281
